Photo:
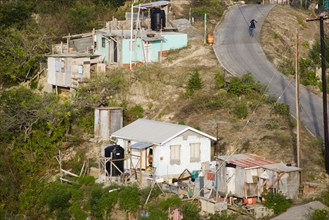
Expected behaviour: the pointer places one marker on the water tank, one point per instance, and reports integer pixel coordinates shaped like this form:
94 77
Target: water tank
117 152
158 19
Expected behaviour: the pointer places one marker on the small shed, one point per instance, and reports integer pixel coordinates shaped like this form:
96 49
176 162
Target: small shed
172 147
107 121
245 176
68 69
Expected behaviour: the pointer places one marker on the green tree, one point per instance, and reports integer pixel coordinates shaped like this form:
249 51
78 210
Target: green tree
194 83
81 18
129 198
15 13
20 53
32 128
315 52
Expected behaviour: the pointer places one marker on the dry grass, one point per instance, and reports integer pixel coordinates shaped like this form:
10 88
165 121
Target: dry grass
159 88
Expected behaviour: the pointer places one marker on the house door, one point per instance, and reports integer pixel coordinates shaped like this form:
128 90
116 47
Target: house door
115 52
148 52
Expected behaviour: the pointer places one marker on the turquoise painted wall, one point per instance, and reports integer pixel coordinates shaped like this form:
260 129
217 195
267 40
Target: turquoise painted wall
102 50
137 55
174 40
171 41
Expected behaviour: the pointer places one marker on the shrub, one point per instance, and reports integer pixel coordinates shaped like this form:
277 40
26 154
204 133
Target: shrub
244 85
223 216
277 202
57 197
159 211
241 110
219 80
191 211
194 83
319 214
281 109
129 198
324 198
272 125
286 66
134 113
172 202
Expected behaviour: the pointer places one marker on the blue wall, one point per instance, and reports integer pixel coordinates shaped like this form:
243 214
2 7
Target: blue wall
102 50
172 40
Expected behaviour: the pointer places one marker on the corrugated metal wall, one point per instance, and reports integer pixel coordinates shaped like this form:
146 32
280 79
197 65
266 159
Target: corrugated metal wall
107 121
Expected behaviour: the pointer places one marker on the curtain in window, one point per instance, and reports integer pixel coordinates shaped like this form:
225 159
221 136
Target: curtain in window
195 152
175 154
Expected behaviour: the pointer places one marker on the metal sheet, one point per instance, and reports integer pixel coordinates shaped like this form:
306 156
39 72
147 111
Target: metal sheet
140 145
156 132
152 4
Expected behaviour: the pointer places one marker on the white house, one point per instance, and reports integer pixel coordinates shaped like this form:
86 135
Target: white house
173 147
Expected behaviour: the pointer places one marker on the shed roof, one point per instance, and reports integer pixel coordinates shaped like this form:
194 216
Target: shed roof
76 55
140 145
246 161
155 132
152 4
281 167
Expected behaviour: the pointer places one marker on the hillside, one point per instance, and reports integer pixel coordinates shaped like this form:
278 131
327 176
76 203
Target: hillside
262 132
36 125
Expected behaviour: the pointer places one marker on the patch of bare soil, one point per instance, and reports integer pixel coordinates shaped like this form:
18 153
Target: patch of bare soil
278 34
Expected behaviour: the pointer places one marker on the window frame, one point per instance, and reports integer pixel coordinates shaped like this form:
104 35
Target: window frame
175 154
195 152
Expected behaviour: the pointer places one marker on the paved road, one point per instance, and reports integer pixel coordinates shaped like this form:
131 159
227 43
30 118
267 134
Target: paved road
239 53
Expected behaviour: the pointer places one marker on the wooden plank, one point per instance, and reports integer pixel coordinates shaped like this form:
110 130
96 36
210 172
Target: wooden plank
69 173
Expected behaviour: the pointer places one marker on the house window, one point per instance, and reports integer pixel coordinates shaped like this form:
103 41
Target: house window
57 65
175 154
63 65
195 152
80 71
103 42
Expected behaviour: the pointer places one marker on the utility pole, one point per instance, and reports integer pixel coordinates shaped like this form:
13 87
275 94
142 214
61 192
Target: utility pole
297 104
324 91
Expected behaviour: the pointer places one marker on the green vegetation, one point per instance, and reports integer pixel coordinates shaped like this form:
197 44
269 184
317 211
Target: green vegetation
194 83
307 66
29 27
324 198
319 214
214 9
223 216
277 202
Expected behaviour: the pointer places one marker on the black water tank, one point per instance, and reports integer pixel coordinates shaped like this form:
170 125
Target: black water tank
158 19
117 152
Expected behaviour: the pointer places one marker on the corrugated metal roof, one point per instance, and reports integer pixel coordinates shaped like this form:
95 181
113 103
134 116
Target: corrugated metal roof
280 167
246 161
155 132
77 55
152 4
140 145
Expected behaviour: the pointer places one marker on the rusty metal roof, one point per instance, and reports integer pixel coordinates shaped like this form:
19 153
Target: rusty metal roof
246 161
